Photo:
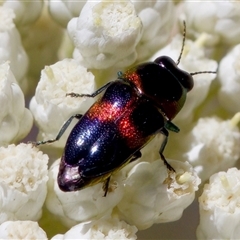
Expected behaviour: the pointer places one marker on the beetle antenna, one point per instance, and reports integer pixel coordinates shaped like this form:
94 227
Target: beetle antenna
195 73
183 42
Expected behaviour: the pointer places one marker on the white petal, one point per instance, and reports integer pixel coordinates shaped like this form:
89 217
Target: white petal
157 19
26 12
229 77
15 120
63 11
11 48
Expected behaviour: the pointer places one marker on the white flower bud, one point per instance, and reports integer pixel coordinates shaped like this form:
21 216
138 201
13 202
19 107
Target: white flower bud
15 120
21 230
229 77
219 207
83 205
193 60
63 11
106 228
106 34
220 20
214 146
23 182
152 195
26 12
11 48
157 18
50 105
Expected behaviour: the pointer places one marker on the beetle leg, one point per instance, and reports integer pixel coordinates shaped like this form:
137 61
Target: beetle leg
135 156
164 143
172 127
61 132
72 94
105 186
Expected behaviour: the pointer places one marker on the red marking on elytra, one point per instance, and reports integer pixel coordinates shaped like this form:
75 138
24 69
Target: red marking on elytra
134 77
130 133
104 111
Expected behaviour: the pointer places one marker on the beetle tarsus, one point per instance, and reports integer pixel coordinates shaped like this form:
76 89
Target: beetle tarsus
34 144
106 186
169 167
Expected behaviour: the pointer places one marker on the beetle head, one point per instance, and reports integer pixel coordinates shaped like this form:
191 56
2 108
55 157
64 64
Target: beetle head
162 82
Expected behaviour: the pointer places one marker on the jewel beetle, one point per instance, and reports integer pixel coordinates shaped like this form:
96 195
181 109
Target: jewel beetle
132 109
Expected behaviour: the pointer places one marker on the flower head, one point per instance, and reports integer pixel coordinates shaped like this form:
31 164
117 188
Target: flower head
219 19
105 228
23 182
50 105
24 230
103 28
214 146
152 196
219 207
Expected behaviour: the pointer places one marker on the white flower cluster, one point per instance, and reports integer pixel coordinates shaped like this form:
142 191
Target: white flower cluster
106 228
106 35
213 133
24 230
50 106
23 182
219 207
145 195
220 20
102 28
152 195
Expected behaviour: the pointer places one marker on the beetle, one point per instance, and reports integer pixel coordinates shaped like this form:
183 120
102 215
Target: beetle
135 107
